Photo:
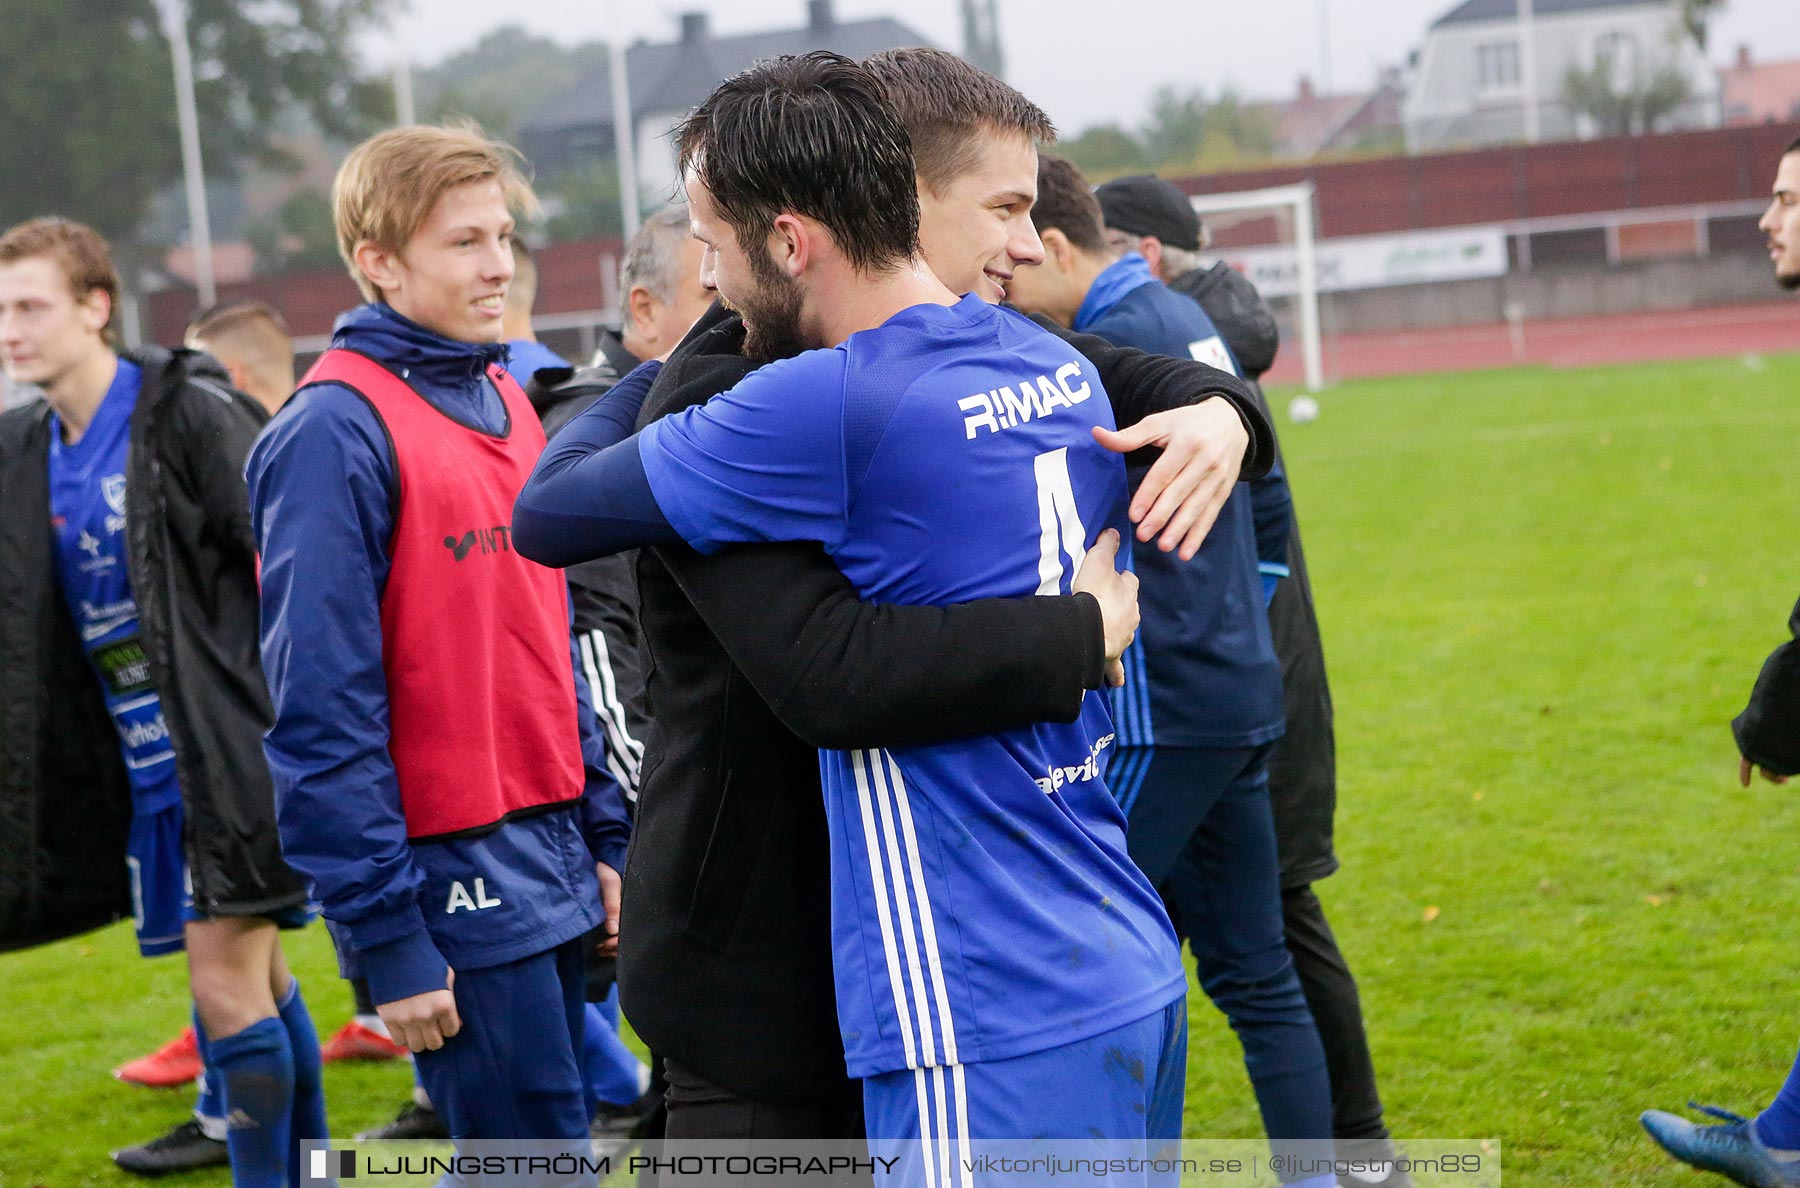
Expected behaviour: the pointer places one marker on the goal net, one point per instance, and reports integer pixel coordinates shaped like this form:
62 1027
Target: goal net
1269 236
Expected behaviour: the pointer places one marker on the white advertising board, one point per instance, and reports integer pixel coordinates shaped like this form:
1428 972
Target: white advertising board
1377 261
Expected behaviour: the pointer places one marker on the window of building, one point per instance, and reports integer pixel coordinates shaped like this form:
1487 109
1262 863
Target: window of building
1620 50
1497 66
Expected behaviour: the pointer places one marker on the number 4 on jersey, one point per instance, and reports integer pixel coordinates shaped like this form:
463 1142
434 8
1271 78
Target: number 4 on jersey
1060 533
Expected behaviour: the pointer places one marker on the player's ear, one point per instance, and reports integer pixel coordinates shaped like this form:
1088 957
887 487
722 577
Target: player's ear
641 304
793 242
1058 251
378 265
96 310
1150 247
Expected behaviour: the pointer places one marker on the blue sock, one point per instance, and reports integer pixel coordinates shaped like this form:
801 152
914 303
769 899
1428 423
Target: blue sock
209 1106
1779 1126
257 1066
308 1117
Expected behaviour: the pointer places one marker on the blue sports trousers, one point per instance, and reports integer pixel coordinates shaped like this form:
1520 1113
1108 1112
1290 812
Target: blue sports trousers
1201 828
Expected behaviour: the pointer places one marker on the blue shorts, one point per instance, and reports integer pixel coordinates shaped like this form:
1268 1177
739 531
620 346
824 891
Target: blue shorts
1124 1086
162 891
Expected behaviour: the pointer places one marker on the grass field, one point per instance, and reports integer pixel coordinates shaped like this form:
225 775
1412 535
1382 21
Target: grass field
1544 594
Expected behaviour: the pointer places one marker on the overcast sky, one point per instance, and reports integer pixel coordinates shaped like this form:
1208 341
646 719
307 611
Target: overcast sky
1085 61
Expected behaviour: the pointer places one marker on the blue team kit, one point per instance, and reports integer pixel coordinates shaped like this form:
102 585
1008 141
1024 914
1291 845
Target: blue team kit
87 517
984 906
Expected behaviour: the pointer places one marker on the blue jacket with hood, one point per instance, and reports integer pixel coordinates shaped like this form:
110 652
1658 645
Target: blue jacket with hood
323 499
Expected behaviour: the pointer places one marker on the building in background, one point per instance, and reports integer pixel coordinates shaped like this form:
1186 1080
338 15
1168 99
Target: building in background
1310 124
1759 92
1599 67
574 130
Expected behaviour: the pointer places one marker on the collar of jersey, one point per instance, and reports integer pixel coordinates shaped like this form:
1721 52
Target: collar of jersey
120 399
428 358
968 309
1130 271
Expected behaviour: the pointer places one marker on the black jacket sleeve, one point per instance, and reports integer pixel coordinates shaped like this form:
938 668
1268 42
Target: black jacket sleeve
840 672
209 436
1768 731
1141 384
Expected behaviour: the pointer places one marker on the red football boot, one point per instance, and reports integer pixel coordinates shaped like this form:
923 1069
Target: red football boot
356 1042
175 1063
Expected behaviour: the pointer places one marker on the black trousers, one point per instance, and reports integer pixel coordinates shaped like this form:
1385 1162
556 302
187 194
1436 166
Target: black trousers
1331 995
699 1109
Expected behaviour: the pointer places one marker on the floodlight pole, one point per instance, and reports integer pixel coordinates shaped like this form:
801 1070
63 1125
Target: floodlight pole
1324 48
404 114
1528 69
174 15
624 130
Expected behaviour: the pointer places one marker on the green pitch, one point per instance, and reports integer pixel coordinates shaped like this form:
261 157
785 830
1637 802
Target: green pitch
1543 595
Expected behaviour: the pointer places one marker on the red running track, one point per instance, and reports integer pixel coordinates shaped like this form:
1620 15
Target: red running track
1568 342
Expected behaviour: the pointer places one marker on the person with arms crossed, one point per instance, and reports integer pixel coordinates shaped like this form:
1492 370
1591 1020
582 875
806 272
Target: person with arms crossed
1764 1151
126 543
439 774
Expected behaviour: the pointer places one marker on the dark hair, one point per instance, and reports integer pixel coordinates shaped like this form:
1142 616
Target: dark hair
945 103
812 135
1792 148
79 250
1067 203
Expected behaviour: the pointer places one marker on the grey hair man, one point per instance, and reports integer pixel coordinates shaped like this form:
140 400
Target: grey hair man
661 280
1148 215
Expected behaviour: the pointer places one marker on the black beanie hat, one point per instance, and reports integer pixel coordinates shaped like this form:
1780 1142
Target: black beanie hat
1147 205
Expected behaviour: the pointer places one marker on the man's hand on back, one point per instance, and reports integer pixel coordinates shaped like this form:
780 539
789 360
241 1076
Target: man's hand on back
1117 594
1202 450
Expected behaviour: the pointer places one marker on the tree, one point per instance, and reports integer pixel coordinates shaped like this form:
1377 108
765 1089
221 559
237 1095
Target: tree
89 98
1188 129
1694 17
300 234
1622 107
501 78
584 204
1106 151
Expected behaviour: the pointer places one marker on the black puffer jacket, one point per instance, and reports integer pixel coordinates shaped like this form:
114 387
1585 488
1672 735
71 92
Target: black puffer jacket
1238 311
1303 768
64 801
1768 731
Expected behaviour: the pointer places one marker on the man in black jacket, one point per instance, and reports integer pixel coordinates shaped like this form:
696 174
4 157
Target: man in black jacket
759 655
1147 214
131 687
1764 1150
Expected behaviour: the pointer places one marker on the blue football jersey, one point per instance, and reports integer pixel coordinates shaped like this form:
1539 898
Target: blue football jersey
983 903
87 519
1202 671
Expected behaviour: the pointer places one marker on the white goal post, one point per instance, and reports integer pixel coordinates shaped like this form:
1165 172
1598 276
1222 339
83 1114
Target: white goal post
1297 200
